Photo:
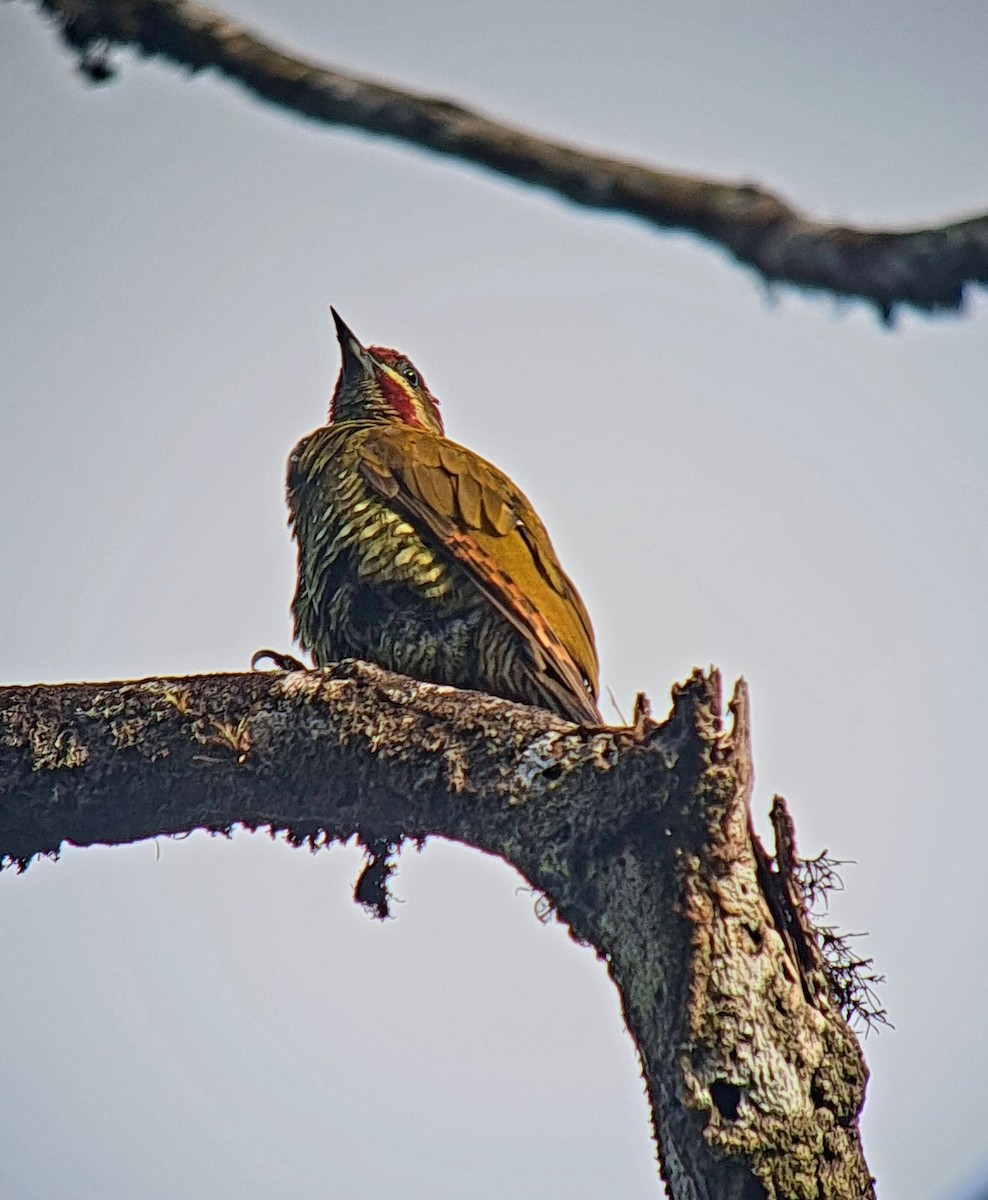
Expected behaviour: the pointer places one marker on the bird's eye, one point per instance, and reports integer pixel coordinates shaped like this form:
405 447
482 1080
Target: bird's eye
411 375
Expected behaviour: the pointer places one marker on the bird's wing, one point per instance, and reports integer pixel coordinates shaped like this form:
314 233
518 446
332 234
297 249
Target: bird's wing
480 517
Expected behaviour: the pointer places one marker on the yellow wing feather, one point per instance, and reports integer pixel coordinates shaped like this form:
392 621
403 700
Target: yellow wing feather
491 529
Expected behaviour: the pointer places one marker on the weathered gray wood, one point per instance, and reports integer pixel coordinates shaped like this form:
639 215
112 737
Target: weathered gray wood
640 838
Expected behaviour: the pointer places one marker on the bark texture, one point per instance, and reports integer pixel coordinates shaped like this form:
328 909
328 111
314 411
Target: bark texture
640 838
925 268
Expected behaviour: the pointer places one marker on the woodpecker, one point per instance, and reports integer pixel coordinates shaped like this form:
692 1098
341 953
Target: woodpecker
418 555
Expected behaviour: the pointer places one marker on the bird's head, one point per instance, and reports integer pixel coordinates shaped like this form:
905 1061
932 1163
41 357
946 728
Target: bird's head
376 383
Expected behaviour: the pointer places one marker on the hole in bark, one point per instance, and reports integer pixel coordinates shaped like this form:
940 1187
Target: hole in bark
756 935
727 1098
553 772
822 1098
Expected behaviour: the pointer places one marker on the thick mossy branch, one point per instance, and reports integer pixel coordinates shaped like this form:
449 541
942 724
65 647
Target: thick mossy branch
639 837
925 268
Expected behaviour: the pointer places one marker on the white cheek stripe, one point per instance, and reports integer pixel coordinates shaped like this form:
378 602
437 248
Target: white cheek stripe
417 406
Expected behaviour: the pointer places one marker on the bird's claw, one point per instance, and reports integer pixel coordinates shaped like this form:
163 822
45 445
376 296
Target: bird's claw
282 662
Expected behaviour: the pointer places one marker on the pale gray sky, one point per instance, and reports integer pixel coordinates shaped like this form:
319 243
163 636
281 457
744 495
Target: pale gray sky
785 489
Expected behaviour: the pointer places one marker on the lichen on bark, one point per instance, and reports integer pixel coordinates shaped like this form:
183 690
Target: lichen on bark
639 837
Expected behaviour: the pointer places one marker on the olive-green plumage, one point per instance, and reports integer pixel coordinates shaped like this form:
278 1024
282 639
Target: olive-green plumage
417 554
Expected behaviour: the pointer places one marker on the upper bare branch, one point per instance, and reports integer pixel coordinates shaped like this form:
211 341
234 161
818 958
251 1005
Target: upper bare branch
926 268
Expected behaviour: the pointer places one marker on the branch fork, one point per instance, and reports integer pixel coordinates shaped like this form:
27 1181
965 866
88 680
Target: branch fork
639 837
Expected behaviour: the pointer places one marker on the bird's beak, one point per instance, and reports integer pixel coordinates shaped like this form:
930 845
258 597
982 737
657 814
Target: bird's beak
357 363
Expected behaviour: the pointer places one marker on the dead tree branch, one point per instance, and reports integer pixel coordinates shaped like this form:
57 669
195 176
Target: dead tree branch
926 268
639 837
